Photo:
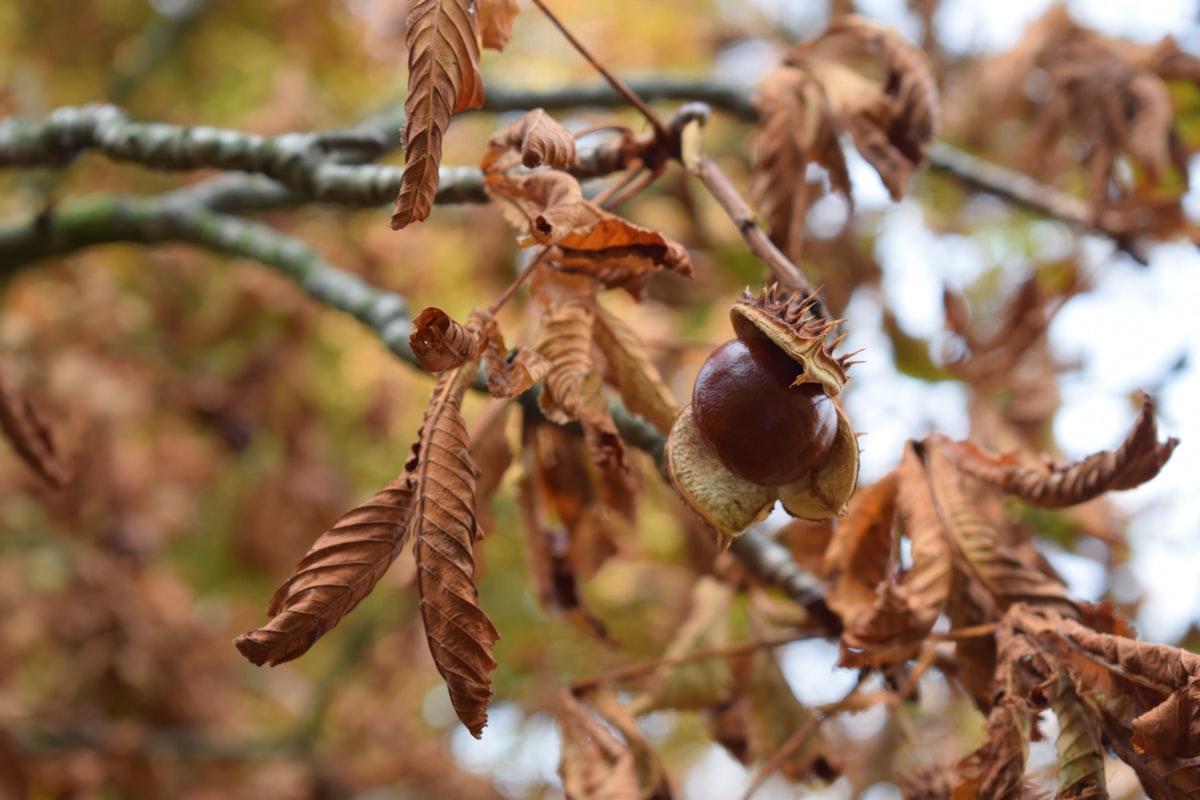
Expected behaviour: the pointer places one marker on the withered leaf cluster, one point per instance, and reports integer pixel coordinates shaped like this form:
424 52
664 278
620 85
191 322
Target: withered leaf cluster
575 488
818 95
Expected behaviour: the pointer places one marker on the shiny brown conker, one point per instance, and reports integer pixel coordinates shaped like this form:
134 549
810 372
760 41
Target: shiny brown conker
760 426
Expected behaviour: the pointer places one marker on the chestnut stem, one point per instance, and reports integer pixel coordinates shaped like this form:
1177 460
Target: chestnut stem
782 269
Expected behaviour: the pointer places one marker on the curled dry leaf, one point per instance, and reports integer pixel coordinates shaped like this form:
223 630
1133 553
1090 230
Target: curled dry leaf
1137 460
340 569
859 556
1081 768
460 635
537 138
997 768
545 205
511 372
796 127
549 549
496 18
618 253
642 389
440 343
817 94
443 79
29 436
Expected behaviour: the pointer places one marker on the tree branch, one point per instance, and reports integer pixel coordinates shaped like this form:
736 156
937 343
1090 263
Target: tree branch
171 218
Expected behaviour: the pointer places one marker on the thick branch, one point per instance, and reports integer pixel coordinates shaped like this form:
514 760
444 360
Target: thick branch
166 218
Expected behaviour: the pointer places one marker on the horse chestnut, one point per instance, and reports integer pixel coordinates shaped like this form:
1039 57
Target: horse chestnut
751 417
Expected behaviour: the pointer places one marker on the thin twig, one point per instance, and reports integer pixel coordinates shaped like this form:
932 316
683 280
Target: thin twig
782 270
520 279
613 81
794 742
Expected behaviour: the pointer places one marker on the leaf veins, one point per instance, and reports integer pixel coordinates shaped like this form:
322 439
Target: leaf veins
443 79
340 569
460 635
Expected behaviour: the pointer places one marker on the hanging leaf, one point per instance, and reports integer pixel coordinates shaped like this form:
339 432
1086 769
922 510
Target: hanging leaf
511 372
928 583
496 18
1137 460
548 552
460 635
443 79
996 770
642 388
556 465
29 435
796 128
564 339
440 343
537 138
340 569
859 556
893 120
491 453
1080 751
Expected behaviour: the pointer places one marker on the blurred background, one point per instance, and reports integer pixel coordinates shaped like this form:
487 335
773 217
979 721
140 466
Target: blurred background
219 419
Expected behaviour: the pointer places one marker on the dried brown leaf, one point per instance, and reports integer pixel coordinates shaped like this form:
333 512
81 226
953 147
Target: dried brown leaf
1137 460
440 343
537 138
496 18
548 547
617 253
595 765
991 562
642 388
1123 681
443 79
996 769
1167 738
546 205
511 372
460 635
1080 749
340 569
859 556
564 339
796 127
29 435
491 452
892 121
